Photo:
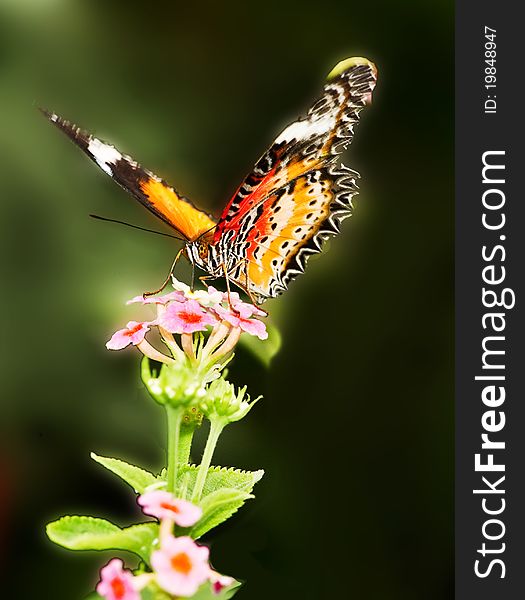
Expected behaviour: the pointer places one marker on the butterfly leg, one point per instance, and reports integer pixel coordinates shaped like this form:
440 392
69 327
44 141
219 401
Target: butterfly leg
192 276
205 278
246 287
227 277
167 280
222 268
247 283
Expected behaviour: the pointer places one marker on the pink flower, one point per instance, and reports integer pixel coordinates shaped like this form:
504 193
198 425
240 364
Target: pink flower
116 583
164 505
178 296
240 317
234 297
181 565
208 297
186 317
236 303
214 295
247 309
133 333
219 582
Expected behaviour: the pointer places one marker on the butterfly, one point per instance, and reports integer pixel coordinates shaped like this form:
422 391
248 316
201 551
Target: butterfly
295 197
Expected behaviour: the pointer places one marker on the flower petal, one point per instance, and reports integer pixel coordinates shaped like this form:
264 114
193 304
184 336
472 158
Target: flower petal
181 565
133 333
186 317
163 505
254 327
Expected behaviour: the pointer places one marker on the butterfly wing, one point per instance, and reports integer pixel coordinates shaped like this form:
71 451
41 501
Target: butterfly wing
297 193
151 191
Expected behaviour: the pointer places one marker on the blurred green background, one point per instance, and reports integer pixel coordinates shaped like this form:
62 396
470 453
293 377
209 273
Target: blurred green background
356 429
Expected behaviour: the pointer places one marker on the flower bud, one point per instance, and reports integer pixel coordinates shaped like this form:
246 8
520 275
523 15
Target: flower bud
222 402
177 383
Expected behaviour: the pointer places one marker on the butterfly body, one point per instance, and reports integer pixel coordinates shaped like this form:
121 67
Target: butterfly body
296 196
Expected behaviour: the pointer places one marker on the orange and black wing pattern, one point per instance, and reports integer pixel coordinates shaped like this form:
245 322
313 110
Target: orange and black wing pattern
298 193
151 191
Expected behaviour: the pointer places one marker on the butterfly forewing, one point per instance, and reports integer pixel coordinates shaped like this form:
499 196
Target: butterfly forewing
297 194
154 193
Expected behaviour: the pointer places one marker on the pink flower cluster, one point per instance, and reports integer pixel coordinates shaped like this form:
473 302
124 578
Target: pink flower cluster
180 566
185 312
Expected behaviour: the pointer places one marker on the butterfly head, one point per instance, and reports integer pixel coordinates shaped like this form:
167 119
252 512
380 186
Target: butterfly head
202 253
203 250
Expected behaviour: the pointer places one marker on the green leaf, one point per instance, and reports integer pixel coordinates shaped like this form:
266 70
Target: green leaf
264 350
88 533
221 477
139 479
216 508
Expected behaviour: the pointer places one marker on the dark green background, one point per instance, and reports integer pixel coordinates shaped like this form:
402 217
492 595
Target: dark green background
355 431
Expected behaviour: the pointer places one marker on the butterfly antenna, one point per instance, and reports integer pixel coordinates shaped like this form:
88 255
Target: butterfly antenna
99 218
205 232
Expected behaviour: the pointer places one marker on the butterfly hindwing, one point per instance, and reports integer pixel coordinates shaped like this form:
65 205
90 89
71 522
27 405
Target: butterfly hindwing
150 190
297 193
298 217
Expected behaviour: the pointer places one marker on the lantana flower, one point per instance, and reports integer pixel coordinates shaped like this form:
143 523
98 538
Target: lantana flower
240 316
117 583
163 505
208 297
190 314
186 317
181 565
134 333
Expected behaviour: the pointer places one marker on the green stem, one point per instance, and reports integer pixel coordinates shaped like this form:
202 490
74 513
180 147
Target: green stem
186 437
216 427
174 427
